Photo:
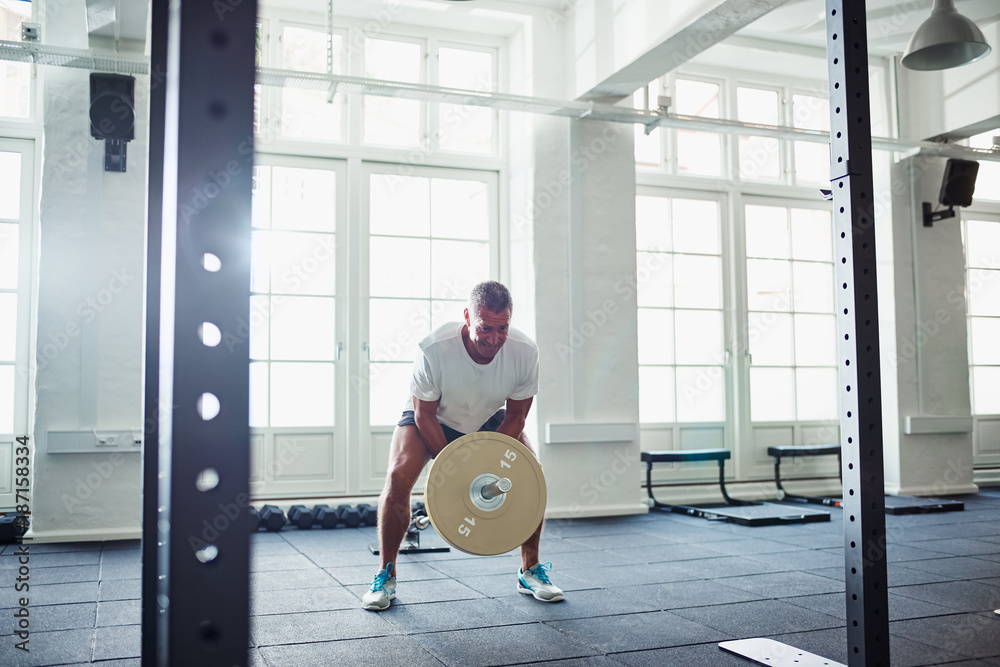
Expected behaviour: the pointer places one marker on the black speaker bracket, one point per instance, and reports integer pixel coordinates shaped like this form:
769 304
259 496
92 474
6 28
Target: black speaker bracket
930 216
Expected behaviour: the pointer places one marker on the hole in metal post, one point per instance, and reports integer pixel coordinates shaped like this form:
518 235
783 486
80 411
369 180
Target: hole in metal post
211 262
207 480
207 554
209 631
208 406
209 334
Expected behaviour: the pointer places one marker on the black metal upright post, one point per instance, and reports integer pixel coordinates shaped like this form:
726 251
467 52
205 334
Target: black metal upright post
202 597
151 362
857 317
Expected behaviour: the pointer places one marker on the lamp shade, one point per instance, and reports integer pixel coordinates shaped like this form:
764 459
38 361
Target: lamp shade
946 39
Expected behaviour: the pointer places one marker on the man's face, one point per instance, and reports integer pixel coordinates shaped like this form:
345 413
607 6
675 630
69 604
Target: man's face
488 331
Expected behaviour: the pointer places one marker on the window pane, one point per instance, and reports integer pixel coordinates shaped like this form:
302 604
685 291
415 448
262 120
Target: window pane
302 394
815 340
760 159
466 69
985 390
812 237
985 332
654 279
392 61
303 199
399 205
768 285
816 393
6 399
9 245
260 261
766 231
465 128
813 283
446 311
8 326
770 336
390 385
306 114
697 98
656 394
757 106
697 281
456 267
304 50
699 153
699 337
982 245
811 113
302 263
260 327
15 78
390 120
400 267
648 147
395 326
988 179
772 394
302 328
696 226
258 395
701 394
261 204
656 336
10 185
812 163
652 223
460 209
984 292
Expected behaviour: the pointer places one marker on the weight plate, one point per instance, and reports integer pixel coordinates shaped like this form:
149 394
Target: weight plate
465 524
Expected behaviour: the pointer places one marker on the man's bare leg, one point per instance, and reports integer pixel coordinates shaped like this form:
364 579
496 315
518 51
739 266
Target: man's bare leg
407 457
529 550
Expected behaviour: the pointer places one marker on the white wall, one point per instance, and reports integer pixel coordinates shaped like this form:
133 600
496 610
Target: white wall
89 300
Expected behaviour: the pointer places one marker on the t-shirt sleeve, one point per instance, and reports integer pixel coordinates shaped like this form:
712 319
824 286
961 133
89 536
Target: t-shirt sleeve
528 382
423 384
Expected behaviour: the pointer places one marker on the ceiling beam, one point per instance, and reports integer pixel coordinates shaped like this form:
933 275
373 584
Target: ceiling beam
707 30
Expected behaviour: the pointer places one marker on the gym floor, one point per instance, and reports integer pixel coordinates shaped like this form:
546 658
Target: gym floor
657 589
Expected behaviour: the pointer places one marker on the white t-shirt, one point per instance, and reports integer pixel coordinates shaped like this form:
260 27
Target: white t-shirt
471 393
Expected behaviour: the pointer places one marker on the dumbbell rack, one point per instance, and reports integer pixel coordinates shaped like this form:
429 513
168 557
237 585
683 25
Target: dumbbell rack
411 543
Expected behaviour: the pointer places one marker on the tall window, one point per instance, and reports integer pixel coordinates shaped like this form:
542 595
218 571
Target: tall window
393 121
680 295
982 252
431 238
293 322
812 160
15 78
310 114
791 326
462 128
988 178
698 153
759 157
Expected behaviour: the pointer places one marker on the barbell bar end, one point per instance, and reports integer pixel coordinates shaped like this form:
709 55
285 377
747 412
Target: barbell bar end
496 488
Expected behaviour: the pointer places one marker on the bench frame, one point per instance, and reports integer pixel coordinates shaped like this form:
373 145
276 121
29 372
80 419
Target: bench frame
784 495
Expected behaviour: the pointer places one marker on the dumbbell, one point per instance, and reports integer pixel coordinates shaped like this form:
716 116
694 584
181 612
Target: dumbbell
254 520
301 517
417 507
349 516
326 517
272 518
369 514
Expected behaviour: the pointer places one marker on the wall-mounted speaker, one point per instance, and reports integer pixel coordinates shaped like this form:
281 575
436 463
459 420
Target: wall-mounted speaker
957 188
112 115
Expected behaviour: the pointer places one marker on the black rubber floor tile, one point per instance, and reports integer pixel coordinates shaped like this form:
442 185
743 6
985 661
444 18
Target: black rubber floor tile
578 604
339 539
375 652
363 574
727 566
49 548
457 569
50 618
959 596
122 641
749 546
558 545
682 594
319 626
900 607
330 598
637 539
801 559
958 567
993 558
45 594
903 652
592 661
504 585
630 575
49 648
596 558
671 552
279 547
633 632
901 553
758 619
66 574
507 645
699 655
959 547
274 581
458 615
965 635
50 559
121 570
784 584
119 612
282 563
120 589
904 574
418 592
814 540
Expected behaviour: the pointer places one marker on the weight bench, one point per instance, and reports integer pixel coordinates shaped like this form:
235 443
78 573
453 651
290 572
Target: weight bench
893 504
743 512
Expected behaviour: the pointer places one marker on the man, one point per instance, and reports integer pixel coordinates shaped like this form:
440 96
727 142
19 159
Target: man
465 372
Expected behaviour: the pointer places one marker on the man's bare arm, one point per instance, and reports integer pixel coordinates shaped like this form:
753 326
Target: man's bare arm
425 415
513 421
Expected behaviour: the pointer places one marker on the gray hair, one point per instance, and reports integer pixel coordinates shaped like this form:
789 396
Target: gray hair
490 295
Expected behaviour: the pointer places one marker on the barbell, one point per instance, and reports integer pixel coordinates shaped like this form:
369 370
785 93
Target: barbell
485 493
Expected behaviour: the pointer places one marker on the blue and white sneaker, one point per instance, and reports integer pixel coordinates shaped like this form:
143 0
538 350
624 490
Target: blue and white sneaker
536 582
382 590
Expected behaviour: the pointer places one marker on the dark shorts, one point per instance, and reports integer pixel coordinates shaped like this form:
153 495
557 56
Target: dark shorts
492 424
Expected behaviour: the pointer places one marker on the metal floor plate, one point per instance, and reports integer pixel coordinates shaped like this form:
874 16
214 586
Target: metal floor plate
763 514
769 652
